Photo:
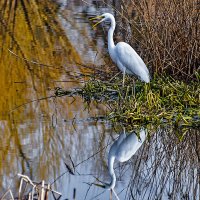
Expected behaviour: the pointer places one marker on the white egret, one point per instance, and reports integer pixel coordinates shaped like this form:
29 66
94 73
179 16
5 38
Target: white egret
122 54
122 150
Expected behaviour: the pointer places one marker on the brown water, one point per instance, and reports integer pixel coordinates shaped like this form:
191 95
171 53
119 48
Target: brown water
42 47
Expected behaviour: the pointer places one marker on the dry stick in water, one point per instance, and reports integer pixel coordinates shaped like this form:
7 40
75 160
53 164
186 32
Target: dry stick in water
74 194
43 98
27 180
44 190
8 191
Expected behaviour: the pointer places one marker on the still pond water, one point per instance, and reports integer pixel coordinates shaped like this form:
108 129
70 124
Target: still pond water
44 46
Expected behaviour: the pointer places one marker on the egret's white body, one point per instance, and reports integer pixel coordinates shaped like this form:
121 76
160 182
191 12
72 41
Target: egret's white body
122 150
125 57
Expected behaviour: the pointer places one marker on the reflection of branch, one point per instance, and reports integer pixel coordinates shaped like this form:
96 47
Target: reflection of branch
18 46
69 168
195 147
72 162
59 92
95 197
7 192
43 98
90 185
13 38
74 166
168 168
30 61
22 154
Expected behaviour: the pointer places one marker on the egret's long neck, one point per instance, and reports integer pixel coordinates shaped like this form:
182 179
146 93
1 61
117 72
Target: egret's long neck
111 44
111 172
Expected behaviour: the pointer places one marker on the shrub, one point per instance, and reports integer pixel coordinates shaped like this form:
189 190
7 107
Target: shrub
167 35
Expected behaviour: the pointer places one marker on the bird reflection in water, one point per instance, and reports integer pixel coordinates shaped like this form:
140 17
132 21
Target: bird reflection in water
122 150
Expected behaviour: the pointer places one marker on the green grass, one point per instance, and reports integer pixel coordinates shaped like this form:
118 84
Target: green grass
162 101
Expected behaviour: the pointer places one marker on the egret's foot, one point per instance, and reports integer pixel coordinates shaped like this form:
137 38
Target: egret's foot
114 76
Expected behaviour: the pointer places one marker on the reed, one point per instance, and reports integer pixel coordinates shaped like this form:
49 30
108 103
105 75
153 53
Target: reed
31 190
165 33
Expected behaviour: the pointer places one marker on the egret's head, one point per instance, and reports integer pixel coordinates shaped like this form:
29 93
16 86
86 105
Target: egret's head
106 186
104 17
100 185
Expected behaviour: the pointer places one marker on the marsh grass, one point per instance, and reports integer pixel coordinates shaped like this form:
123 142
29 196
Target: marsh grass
166 36
165 33
163 100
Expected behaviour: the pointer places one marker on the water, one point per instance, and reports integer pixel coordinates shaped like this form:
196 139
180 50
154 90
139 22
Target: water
43 46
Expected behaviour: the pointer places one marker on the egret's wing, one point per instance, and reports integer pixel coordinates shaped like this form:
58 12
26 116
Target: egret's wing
126 56
129 146
120 139
116 144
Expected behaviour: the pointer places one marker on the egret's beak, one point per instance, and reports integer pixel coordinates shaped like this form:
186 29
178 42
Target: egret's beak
99 185
97 17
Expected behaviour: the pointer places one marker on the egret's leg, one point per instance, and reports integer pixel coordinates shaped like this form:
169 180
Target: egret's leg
123 77
115 194
114 76
133 87
110 194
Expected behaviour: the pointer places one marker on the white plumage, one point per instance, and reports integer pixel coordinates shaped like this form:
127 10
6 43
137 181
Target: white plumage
122 150
125 57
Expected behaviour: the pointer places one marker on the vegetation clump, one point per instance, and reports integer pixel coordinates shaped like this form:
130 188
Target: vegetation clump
162 100
165 33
